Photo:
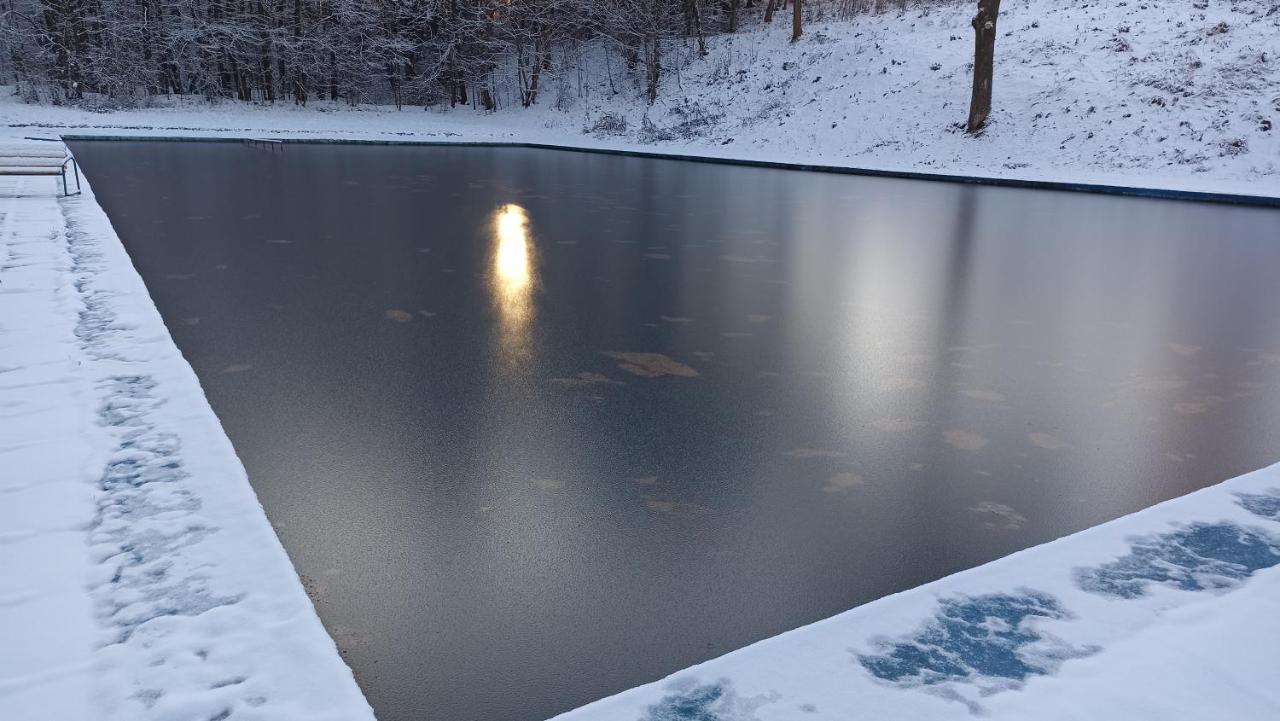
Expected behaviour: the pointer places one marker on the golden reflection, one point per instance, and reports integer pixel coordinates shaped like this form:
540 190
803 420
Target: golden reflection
511 262
513 279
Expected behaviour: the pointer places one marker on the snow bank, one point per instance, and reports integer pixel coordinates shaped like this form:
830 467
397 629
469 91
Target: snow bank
1177 96
1165 614
141 577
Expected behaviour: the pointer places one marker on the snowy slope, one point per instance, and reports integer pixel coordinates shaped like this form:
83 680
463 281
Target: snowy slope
1179 95
139 577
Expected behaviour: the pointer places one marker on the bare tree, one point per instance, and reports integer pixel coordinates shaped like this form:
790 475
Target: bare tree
693 24
984 34
484 53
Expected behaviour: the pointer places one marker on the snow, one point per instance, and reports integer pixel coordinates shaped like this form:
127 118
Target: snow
1180 96
141 577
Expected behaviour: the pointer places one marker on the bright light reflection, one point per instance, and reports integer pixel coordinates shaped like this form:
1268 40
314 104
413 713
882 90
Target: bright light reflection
511 262
513 279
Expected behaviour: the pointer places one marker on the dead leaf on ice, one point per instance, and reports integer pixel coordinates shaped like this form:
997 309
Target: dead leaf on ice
651 365
965 440
842 482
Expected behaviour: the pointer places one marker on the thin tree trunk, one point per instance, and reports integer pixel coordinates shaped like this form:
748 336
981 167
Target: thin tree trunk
984 55
693 24
797 16
768 10
654 68
300 90
333 75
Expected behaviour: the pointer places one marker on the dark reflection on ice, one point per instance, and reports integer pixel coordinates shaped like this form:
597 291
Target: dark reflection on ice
1197 557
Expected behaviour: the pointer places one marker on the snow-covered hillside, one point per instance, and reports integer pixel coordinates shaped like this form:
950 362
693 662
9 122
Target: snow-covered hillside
1179 95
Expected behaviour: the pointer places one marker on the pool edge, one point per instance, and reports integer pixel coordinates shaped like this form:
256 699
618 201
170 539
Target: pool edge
1202 196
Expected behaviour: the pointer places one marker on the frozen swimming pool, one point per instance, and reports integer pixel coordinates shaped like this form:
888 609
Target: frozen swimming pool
540 426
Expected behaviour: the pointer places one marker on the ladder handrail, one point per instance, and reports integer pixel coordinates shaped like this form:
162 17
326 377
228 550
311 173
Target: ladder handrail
14 154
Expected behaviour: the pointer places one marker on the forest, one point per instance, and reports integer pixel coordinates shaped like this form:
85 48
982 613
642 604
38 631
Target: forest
483 53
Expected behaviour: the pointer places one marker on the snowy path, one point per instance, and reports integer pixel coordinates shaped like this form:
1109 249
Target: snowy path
141 577
47 453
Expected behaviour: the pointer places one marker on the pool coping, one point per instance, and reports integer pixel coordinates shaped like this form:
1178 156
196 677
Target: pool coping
863 629
1264 201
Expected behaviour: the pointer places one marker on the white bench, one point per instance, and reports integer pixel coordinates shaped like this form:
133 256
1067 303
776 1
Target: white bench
39 158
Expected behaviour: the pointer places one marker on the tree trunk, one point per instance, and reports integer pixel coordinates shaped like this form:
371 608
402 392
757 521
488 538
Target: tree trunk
984 55
695 14
768 10
333 75
654 67
541 58
797 15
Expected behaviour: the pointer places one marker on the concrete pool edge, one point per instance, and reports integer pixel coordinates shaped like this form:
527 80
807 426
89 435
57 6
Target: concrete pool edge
1265 201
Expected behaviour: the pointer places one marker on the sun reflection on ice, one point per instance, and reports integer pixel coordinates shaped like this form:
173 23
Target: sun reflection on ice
513 280
511 261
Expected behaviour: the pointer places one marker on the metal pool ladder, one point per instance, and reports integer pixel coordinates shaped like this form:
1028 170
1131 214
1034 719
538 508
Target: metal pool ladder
275 146
37 158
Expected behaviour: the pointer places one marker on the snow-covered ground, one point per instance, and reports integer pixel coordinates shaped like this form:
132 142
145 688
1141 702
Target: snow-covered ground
141 580
1181 95
139 577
